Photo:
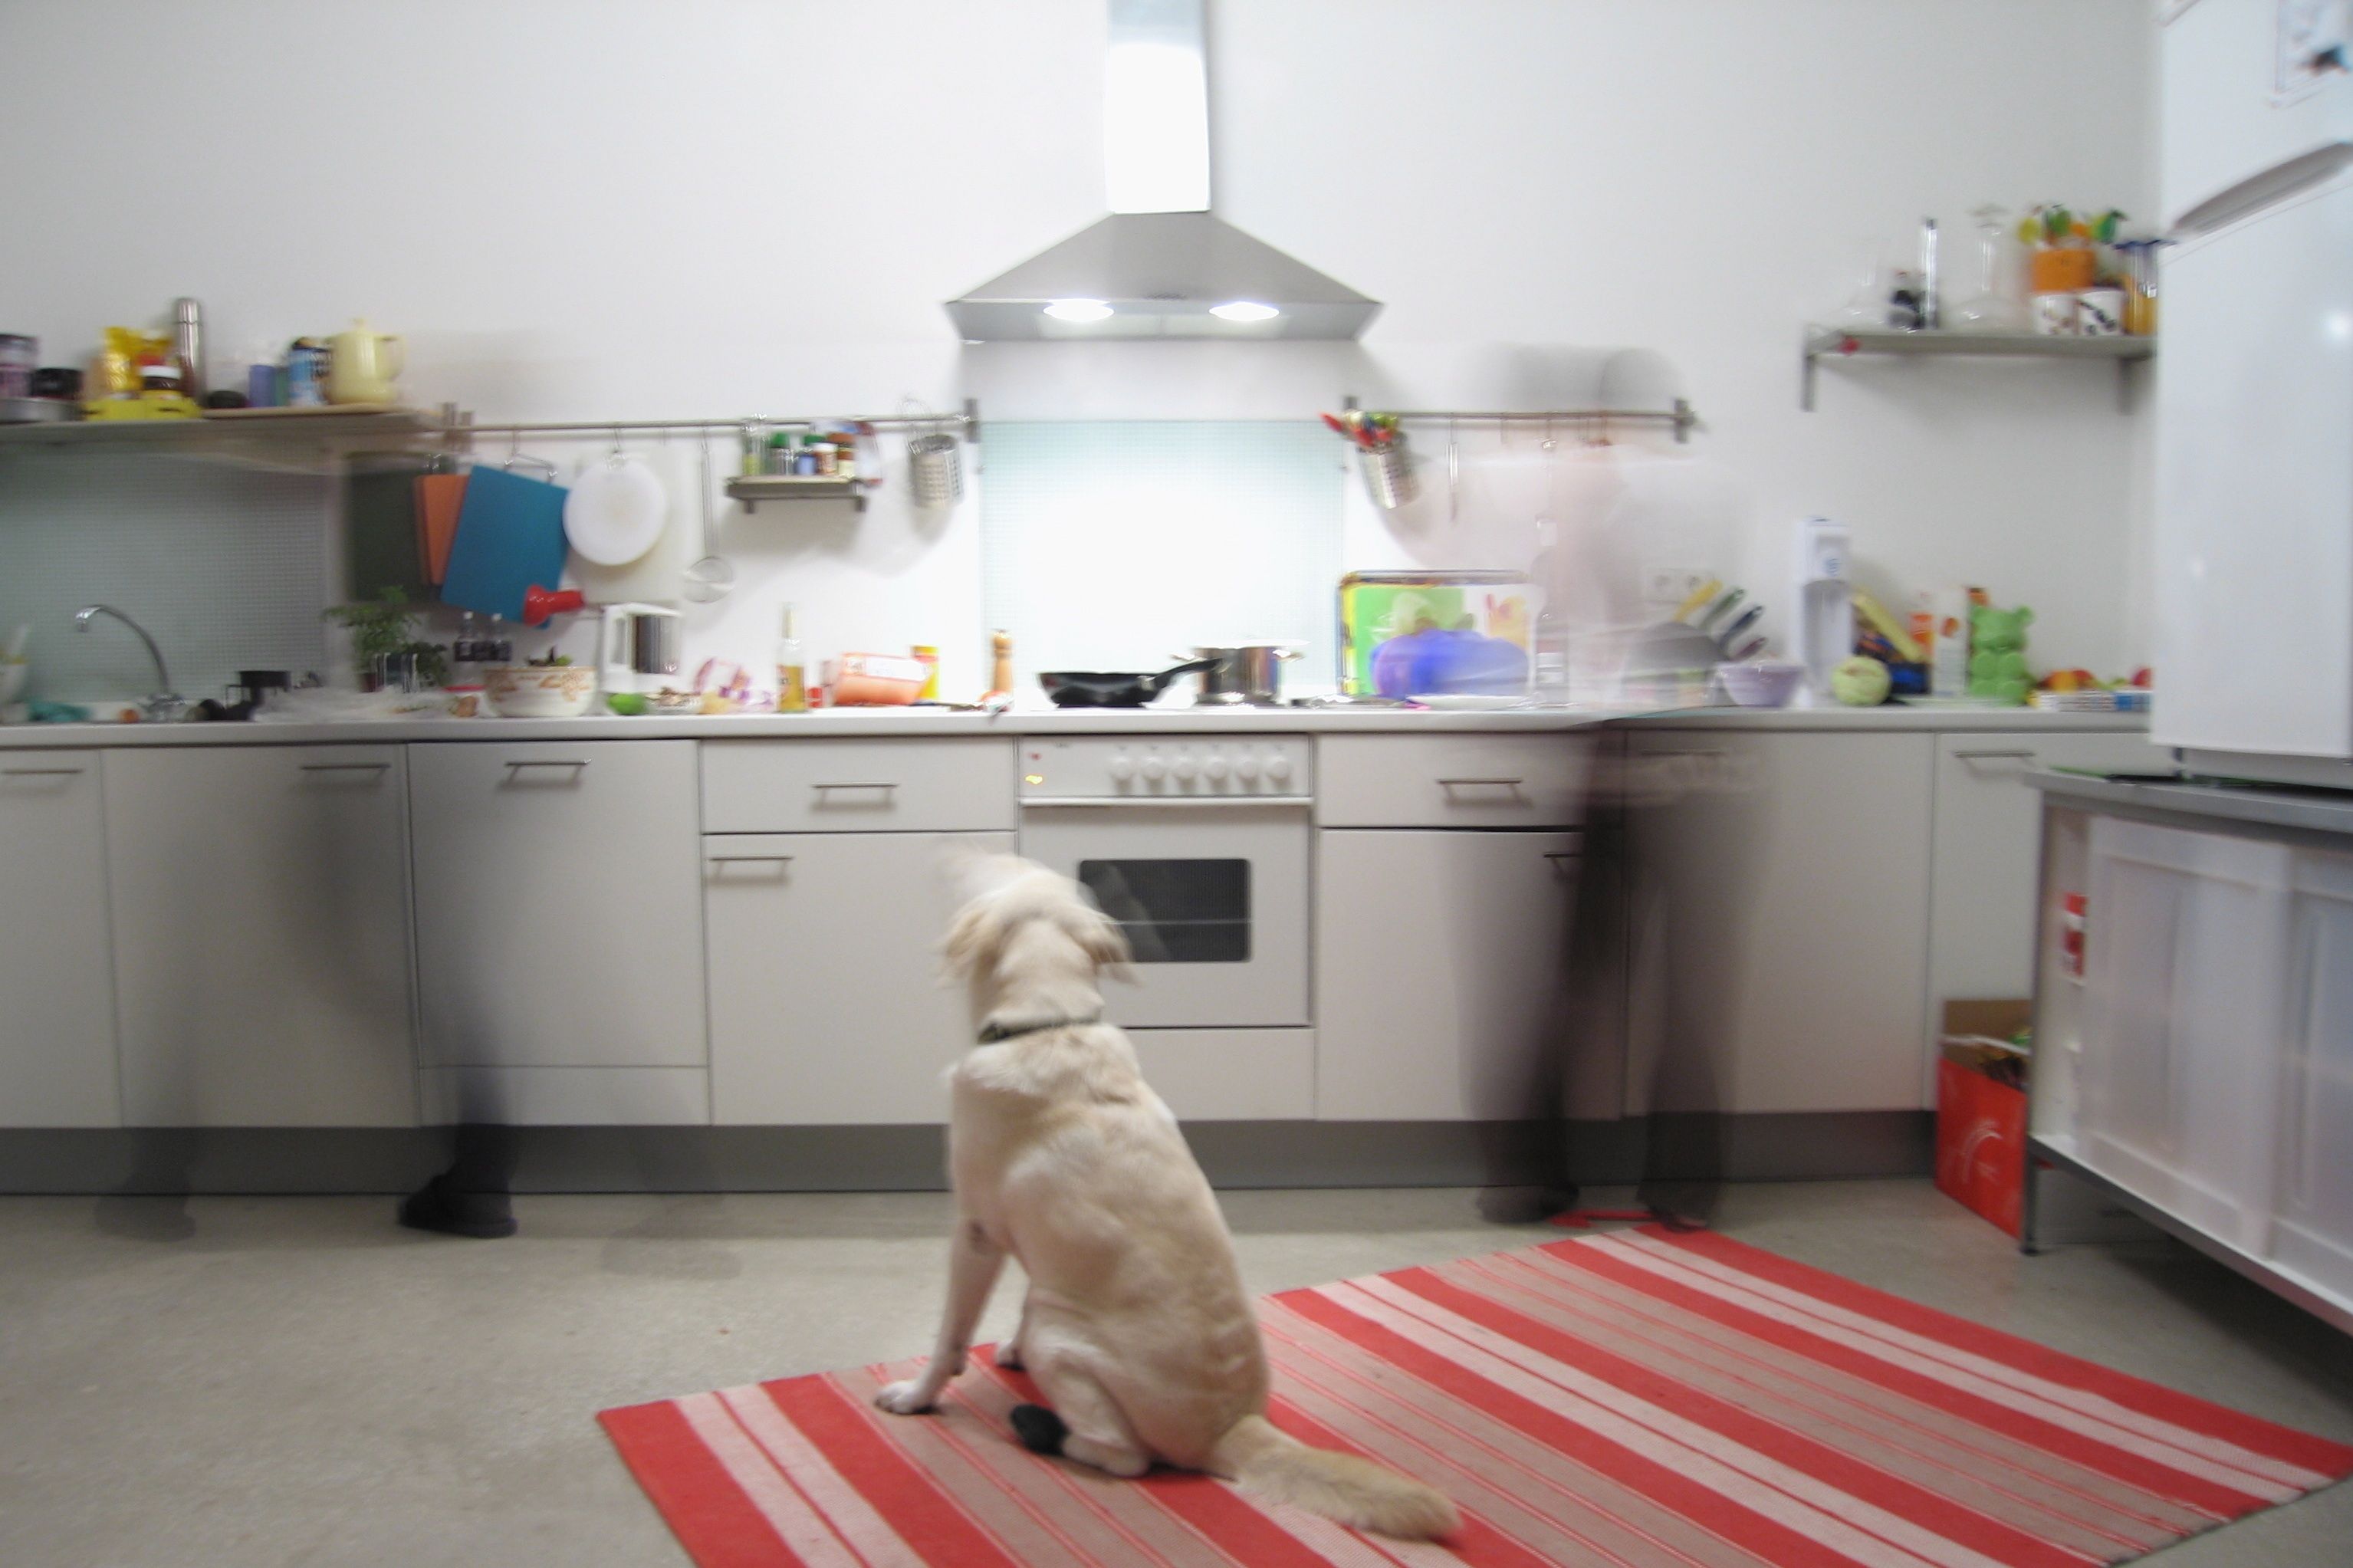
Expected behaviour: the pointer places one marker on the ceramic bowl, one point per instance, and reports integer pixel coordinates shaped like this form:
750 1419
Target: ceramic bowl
540 691
1761 683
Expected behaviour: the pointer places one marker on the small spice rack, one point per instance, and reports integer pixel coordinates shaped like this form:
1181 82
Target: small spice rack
751 489
1836 343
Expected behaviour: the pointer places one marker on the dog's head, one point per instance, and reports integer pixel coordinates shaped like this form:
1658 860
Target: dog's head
1018 916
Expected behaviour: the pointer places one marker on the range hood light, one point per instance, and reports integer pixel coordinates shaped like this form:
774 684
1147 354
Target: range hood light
1244 311
1080 311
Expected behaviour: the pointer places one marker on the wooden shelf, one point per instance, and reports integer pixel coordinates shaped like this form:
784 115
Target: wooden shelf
752 489
1841 343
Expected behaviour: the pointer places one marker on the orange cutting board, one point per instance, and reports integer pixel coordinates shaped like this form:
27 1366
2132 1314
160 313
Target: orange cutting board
440 498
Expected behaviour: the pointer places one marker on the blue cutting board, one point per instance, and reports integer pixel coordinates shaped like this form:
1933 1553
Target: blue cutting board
510 538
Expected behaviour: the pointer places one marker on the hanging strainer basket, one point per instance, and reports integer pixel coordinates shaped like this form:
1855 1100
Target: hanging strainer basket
934 470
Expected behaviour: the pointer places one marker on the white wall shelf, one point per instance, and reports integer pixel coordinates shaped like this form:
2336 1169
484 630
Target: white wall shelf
1842 342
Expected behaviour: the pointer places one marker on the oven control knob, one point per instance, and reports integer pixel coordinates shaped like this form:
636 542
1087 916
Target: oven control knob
1215 768
1278 767
1154 769
1185 769
1122 770
1246 769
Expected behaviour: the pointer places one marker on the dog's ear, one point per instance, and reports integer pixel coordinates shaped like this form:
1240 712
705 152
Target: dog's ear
1100 937
974 938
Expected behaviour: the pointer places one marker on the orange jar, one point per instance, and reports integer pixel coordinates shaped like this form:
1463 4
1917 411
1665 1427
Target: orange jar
2060 269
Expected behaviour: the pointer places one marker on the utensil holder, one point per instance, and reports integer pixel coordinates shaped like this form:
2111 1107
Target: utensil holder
934 470
1389 474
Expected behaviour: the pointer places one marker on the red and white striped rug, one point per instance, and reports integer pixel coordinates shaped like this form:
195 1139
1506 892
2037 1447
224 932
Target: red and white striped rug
1638 1399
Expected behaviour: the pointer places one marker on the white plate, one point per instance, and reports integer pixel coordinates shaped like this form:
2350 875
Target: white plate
1467 701
615 511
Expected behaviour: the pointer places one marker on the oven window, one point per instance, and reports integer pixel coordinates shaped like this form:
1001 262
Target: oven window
1177 911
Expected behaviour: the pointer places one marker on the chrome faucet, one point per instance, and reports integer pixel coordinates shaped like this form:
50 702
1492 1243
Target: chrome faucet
165 703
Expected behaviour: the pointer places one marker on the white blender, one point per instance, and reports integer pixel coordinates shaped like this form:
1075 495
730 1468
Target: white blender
1822 628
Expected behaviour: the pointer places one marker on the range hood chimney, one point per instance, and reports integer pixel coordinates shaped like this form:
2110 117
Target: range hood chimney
1163 264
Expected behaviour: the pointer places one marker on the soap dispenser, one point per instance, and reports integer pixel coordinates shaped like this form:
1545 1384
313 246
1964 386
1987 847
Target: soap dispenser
1823 635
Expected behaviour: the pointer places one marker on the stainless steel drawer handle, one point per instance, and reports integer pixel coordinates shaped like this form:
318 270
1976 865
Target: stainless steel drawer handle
1475 783
40 772
853 786
346 767
516 767
749 859
2018 754
1558 855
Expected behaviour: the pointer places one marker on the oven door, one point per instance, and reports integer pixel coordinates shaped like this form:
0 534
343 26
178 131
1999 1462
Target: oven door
1212 895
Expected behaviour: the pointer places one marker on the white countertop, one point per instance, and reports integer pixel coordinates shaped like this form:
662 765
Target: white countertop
890 722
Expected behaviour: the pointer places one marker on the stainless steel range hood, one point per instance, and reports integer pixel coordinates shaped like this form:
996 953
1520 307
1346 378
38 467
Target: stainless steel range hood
1162 265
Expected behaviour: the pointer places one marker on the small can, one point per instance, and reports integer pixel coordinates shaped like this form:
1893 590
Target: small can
261 386
828 457
805 461
20 357
306 374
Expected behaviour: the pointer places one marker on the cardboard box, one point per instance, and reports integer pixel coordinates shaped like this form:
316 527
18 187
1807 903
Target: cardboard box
1982 1112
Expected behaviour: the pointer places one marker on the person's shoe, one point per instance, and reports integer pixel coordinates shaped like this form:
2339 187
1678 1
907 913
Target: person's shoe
438 1206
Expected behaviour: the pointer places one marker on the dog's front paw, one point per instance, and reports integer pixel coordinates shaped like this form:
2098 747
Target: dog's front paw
908 1398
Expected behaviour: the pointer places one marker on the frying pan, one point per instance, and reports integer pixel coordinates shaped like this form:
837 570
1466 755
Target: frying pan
1107 689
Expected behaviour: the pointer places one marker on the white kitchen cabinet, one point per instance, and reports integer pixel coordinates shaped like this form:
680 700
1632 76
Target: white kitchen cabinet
559 911
827 1003
261 925
1982 862
1778 920
1442 966
2312 1211
56 1026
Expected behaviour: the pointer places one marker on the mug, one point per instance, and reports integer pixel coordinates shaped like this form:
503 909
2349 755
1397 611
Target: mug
2056 314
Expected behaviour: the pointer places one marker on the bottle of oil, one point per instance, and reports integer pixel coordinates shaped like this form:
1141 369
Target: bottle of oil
791 668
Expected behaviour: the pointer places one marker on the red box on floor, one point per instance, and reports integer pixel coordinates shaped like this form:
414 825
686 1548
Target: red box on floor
1980 1120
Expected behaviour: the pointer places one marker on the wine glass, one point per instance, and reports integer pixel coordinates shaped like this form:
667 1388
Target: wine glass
1993 308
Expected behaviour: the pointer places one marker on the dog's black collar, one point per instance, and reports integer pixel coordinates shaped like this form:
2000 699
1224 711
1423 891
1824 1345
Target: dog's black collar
994 1033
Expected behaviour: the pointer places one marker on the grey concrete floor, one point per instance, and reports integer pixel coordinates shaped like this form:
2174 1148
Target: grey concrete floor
253 1382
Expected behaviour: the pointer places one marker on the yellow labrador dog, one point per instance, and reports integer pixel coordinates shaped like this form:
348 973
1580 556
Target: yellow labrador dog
1135 1324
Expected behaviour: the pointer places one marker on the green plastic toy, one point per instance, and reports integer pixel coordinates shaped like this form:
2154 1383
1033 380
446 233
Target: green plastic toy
1997 659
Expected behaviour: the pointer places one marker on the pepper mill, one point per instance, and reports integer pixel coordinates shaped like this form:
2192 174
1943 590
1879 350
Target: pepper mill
1000 670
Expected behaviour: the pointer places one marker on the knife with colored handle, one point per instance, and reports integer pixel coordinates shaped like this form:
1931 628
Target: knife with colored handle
1723 608
1699 596
1731 633
1749 650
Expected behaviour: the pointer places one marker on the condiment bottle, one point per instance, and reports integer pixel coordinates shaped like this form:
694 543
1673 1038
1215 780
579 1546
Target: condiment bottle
929 657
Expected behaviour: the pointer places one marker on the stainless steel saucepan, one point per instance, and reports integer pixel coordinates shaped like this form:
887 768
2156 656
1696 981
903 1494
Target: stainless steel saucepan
1247 673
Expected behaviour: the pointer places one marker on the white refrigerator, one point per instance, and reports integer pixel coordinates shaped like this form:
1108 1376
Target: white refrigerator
2254 403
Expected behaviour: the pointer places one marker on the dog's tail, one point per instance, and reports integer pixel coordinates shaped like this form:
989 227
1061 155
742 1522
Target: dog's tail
1270 1464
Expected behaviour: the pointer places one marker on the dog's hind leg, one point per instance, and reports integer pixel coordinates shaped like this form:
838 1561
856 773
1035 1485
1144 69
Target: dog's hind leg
974 1261
1094 1429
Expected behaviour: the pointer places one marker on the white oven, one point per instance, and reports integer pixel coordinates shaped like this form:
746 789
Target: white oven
1199 847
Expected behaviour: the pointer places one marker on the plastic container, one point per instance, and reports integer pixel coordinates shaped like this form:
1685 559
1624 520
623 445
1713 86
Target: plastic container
1761 683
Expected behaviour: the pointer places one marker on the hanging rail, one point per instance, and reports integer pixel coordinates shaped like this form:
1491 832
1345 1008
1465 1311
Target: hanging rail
1679 417
453 423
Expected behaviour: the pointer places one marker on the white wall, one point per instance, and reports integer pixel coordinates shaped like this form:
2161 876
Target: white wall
722 206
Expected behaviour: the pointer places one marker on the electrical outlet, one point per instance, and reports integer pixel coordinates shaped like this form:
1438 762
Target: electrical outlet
1670 586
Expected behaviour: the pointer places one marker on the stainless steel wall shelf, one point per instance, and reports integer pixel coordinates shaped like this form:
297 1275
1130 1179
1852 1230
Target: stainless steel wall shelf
751 489
1841 343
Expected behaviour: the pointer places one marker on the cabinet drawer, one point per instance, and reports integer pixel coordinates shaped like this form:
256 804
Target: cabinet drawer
857 785
1452 780
566 1097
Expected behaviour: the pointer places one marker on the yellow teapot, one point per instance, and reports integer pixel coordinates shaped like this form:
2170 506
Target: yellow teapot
362 365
